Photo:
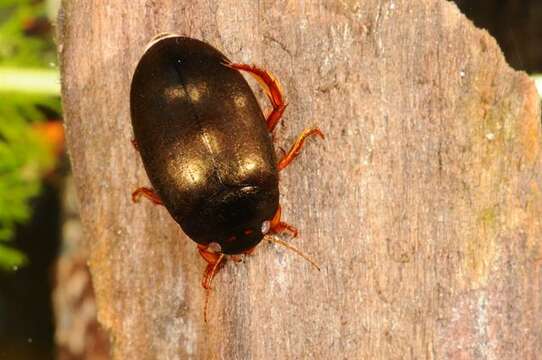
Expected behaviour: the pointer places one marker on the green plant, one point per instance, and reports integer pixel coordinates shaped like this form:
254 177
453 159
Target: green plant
28 84
17 48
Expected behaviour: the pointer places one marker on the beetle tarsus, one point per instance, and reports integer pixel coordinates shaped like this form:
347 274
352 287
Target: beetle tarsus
285 227
148 193
297 146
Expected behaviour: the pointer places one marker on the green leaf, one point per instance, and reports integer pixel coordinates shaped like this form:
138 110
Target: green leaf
11 259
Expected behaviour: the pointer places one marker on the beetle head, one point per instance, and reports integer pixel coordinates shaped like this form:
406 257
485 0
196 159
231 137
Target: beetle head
235 218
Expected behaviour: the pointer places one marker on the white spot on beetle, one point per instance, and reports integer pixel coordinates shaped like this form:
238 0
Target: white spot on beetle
266 226
215 247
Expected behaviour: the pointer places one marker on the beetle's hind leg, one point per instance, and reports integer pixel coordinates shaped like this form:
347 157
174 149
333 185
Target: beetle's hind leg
272 89
148 193
214 262
297 146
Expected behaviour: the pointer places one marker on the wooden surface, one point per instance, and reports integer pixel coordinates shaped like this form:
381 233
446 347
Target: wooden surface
77 332
422 206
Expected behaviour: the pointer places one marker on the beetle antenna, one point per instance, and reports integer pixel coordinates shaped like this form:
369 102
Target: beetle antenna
207 284
294 249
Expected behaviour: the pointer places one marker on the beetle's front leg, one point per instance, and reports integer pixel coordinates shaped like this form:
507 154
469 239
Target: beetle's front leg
214 262
272 89
277 226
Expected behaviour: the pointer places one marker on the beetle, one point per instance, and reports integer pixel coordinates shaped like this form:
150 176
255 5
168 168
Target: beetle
208 149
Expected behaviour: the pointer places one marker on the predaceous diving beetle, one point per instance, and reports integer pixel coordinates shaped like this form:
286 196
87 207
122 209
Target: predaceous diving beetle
207 147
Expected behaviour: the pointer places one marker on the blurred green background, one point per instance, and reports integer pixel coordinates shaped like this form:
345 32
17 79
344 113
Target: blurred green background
29 89
34 169
31 148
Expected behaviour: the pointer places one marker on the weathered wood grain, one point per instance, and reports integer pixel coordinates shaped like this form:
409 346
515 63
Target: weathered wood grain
422 206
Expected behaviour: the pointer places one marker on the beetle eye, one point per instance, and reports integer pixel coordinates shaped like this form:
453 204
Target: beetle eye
266 226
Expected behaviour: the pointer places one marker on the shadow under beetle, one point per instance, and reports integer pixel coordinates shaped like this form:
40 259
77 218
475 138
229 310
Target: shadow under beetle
207 147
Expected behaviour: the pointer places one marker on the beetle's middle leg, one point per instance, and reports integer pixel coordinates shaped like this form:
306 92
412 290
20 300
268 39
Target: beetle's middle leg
148 193
296 147
272 89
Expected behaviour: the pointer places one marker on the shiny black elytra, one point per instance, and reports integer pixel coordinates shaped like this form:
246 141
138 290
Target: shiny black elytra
204 143
206 146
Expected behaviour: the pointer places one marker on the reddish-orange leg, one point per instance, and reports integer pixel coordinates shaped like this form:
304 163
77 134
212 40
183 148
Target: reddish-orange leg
214 262
297 146
272 89
148 193
278 226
